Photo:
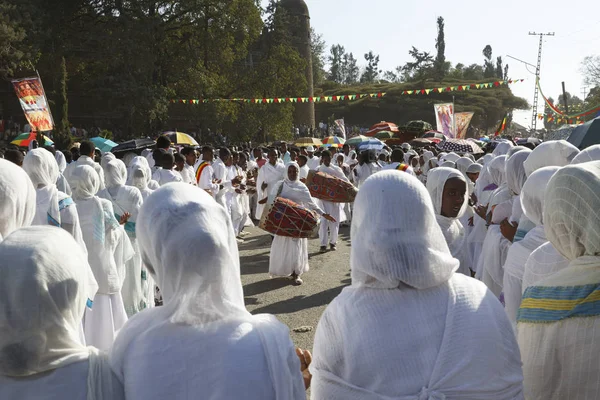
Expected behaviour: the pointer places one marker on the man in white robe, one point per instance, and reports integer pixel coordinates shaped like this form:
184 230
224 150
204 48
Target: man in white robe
270 173
165 174
87 151
332 209
304 170
204 174
398 164
313 161
188 167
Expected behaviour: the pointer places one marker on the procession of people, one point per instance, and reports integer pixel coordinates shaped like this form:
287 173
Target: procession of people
474 276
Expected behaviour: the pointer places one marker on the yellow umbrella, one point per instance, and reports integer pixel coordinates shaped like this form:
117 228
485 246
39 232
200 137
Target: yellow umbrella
181 138
308 141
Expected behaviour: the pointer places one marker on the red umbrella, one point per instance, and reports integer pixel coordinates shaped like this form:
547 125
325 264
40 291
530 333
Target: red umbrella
382 126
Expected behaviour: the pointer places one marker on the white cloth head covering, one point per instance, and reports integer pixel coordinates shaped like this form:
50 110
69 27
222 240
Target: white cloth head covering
17 198
42 301
128 157
502 148
533 195
487 158
61 161
497 169
106 158
515 171
453 230
201 287
452 156
592 153
571 215
115 174
42 169
448 164
474 168
406 246
514 150
463 163
557 153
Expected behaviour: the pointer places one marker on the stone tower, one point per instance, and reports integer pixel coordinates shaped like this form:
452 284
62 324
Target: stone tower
297 12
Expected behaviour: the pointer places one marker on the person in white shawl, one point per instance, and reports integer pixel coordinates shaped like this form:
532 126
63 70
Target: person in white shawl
426 158
41 307
137 291
289 256
108 249
532 200
448 190
61 182
140 177
268 175
166 174
560 315
216 349
87 150
17 198
399 331
52 206
132 180
592 153
554 153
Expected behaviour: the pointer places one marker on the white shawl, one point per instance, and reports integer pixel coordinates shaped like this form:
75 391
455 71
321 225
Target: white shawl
17 198
270 175
556 153
203 307
592 153
402 270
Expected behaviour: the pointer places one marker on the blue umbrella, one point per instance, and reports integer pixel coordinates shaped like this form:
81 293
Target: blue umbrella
371 144
104 145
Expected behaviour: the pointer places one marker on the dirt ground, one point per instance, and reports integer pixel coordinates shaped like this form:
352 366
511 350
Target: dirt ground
299 307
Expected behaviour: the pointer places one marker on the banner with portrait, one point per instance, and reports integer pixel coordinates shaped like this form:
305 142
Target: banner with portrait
444 115
463 120
34 103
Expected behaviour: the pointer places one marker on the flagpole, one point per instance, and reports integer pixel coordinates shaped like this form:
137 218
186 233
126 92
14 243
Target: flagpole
453 117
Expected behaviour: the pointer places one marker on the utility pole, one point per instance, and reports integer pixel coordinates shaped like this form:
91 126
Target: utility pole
584 92
537 76
565 99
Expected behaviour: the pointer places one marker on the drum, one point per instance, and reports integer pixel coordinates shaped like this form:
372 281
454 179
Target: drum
286 218
330 188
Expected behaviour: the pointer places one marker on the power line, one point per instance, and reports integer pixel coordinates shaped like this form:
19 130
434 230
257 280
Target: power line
537 77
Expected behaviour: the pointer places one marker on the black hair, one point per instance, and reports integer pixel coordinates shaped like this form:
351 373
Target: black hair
206 148
397 155
163 142
86 148
303 158
326 153
68 156
157 156
14 156
179 157
187 150
224 152
166 159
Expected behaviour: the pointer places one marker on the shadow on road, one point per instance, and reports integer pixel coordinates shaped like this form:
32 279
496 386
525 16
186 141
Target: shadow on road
255 264
253 289
299 303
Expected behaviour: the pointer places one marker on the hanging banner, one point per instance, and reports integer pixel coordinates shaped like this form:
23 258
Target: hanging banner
34 103
341 126
352 97
555 109
444 115
463 120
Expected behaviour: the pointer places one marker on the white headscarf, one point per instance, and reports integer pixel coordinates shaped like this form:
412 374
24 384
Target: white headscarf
451 157
474 168
42 169
502 148
556 153
17 198
462 164
61 161
515 171
592 153
106 158
487 158
201 286
42 301
448 164
406 246
115 174
453 230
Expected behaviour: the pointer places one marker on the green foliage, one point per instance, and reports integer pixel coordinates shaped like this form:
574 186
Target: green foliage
336 59
372 71
62 135
13 52
421 68
590 67
318 46
440 45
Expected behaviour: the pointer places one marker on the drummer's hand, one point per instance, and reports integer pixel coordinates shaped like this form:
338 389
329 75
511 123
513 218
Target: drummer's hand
238 191
329 218
508 230
264 186
236 181
303 180
124 218
263 201
305 360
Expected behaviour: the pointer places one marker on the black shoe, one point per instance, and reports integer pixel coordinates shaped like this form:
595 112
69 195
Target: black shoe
332 247
323 249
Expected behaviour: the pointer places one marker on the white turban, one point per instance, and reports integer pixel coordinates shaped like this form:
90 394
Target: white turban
17 198
556 153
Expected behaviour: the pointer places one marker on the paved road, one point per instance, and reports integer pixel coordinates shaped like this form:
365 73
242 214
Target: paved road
295 306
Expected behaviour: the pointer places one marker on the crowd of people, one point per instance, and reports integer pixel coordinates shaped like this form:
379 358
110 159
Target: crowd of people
472 277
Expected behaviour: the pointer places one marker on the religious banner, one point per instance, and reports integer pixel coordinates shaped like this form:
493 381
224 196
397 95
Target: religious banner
34 103
444 115
341 126
463 120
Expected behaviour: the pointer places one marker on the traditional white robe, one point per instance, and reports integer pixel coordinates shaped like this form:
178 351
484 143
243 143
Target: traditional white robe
163 176
270 175
333 209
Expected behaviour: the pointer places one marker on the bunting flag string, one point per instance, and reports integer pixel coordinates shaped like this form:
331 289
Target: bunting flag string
350 97
560 120
554 109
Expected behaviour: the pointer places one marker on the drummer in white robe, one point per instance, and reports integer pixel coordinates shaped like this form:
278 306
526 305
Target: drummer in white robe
268 175
333 209
289 256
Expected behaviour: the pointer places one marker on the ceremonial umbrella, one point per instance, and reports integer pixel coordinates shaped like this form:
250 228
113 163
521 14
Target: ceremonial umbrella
586 135
308 141
371 144
434 135
102 144
181 138
382 126
133 145
333 141
530 142
356 140
460 146
384 135
24 139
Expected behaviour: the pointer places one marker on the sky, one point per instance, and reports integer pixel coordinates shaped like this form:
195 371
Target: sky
391 27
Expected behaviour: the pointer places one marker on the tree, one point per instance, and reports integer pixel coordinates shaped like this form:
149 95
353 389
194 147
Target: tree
351 70
499 68
590 67
488 65
372 70
318 46
440 45
336 59
395 76
474 72
62 135
12 35
421 66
